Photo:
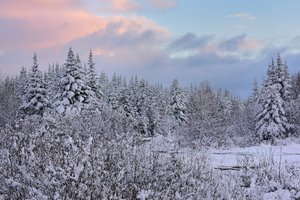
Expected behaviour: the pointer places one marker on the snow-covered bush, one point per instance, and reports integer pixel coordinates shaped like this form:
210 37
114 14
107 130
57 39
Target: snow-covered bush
266 178
99 156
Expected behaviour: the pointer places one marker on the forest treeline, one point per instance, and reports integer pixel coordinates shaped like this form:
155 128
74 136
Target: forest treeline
198 115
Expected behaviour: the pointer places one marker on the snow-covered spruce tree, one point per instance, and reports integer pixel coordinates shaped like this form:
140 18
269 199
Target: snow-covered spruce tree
21 84
296 85
53 80
147 113
152 113
246 124
125 101
103 79
294 108
113 93
226 100
178 102
206 125
142 103
286 92
252 105
9 102
73 94
133 95
285 81
36 97
271 120
92 77
162 99
92 80
255 93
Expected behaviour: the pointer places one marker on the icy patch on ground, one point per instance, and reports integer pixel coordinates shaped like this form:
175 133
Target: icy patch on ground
279 194
288 153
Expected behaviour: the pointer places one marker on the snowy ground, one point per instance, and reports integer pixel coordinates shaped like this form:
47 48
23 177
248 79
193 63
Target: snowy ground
227 158
231 160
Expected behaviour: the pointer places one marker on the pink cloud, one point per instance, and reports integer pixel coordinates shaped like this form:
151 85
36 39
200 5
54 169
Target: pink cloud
49 27
117 6
32 8
163 4
48 23
38 24
120 6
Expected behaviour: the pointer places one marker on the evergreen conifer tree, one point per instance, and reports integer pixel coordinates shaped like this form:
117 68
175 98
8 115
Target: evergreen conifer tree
92 81
22 84
36 97
73 93
271 120
178 102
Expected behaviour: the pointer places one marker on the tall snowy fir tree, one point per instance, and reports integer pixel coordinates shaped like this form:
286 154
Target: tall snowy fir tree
92 80
294 108
125 101
178 102
21 85
296 85
206 124
57 77
133 95
271 120
254 97
9 101
73 94
247 120
112 94
286 92
226 101
142 103
285 81
36 98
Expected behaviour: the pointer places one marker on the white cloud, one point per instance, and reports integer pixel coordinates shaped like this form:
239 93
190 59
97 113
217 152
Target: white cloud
244 16
240 46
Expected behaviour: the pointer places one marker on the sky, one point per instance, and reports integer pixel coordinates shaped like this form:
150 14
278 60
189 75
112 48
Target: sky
226 42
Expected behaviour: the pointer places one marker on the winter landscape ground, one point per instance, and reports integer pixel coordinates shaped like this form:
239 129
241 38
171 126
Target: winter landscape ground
149 100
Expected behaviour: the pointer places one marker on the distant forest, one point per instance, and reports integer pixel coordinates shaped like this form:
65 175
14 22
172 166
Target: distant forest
199 115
